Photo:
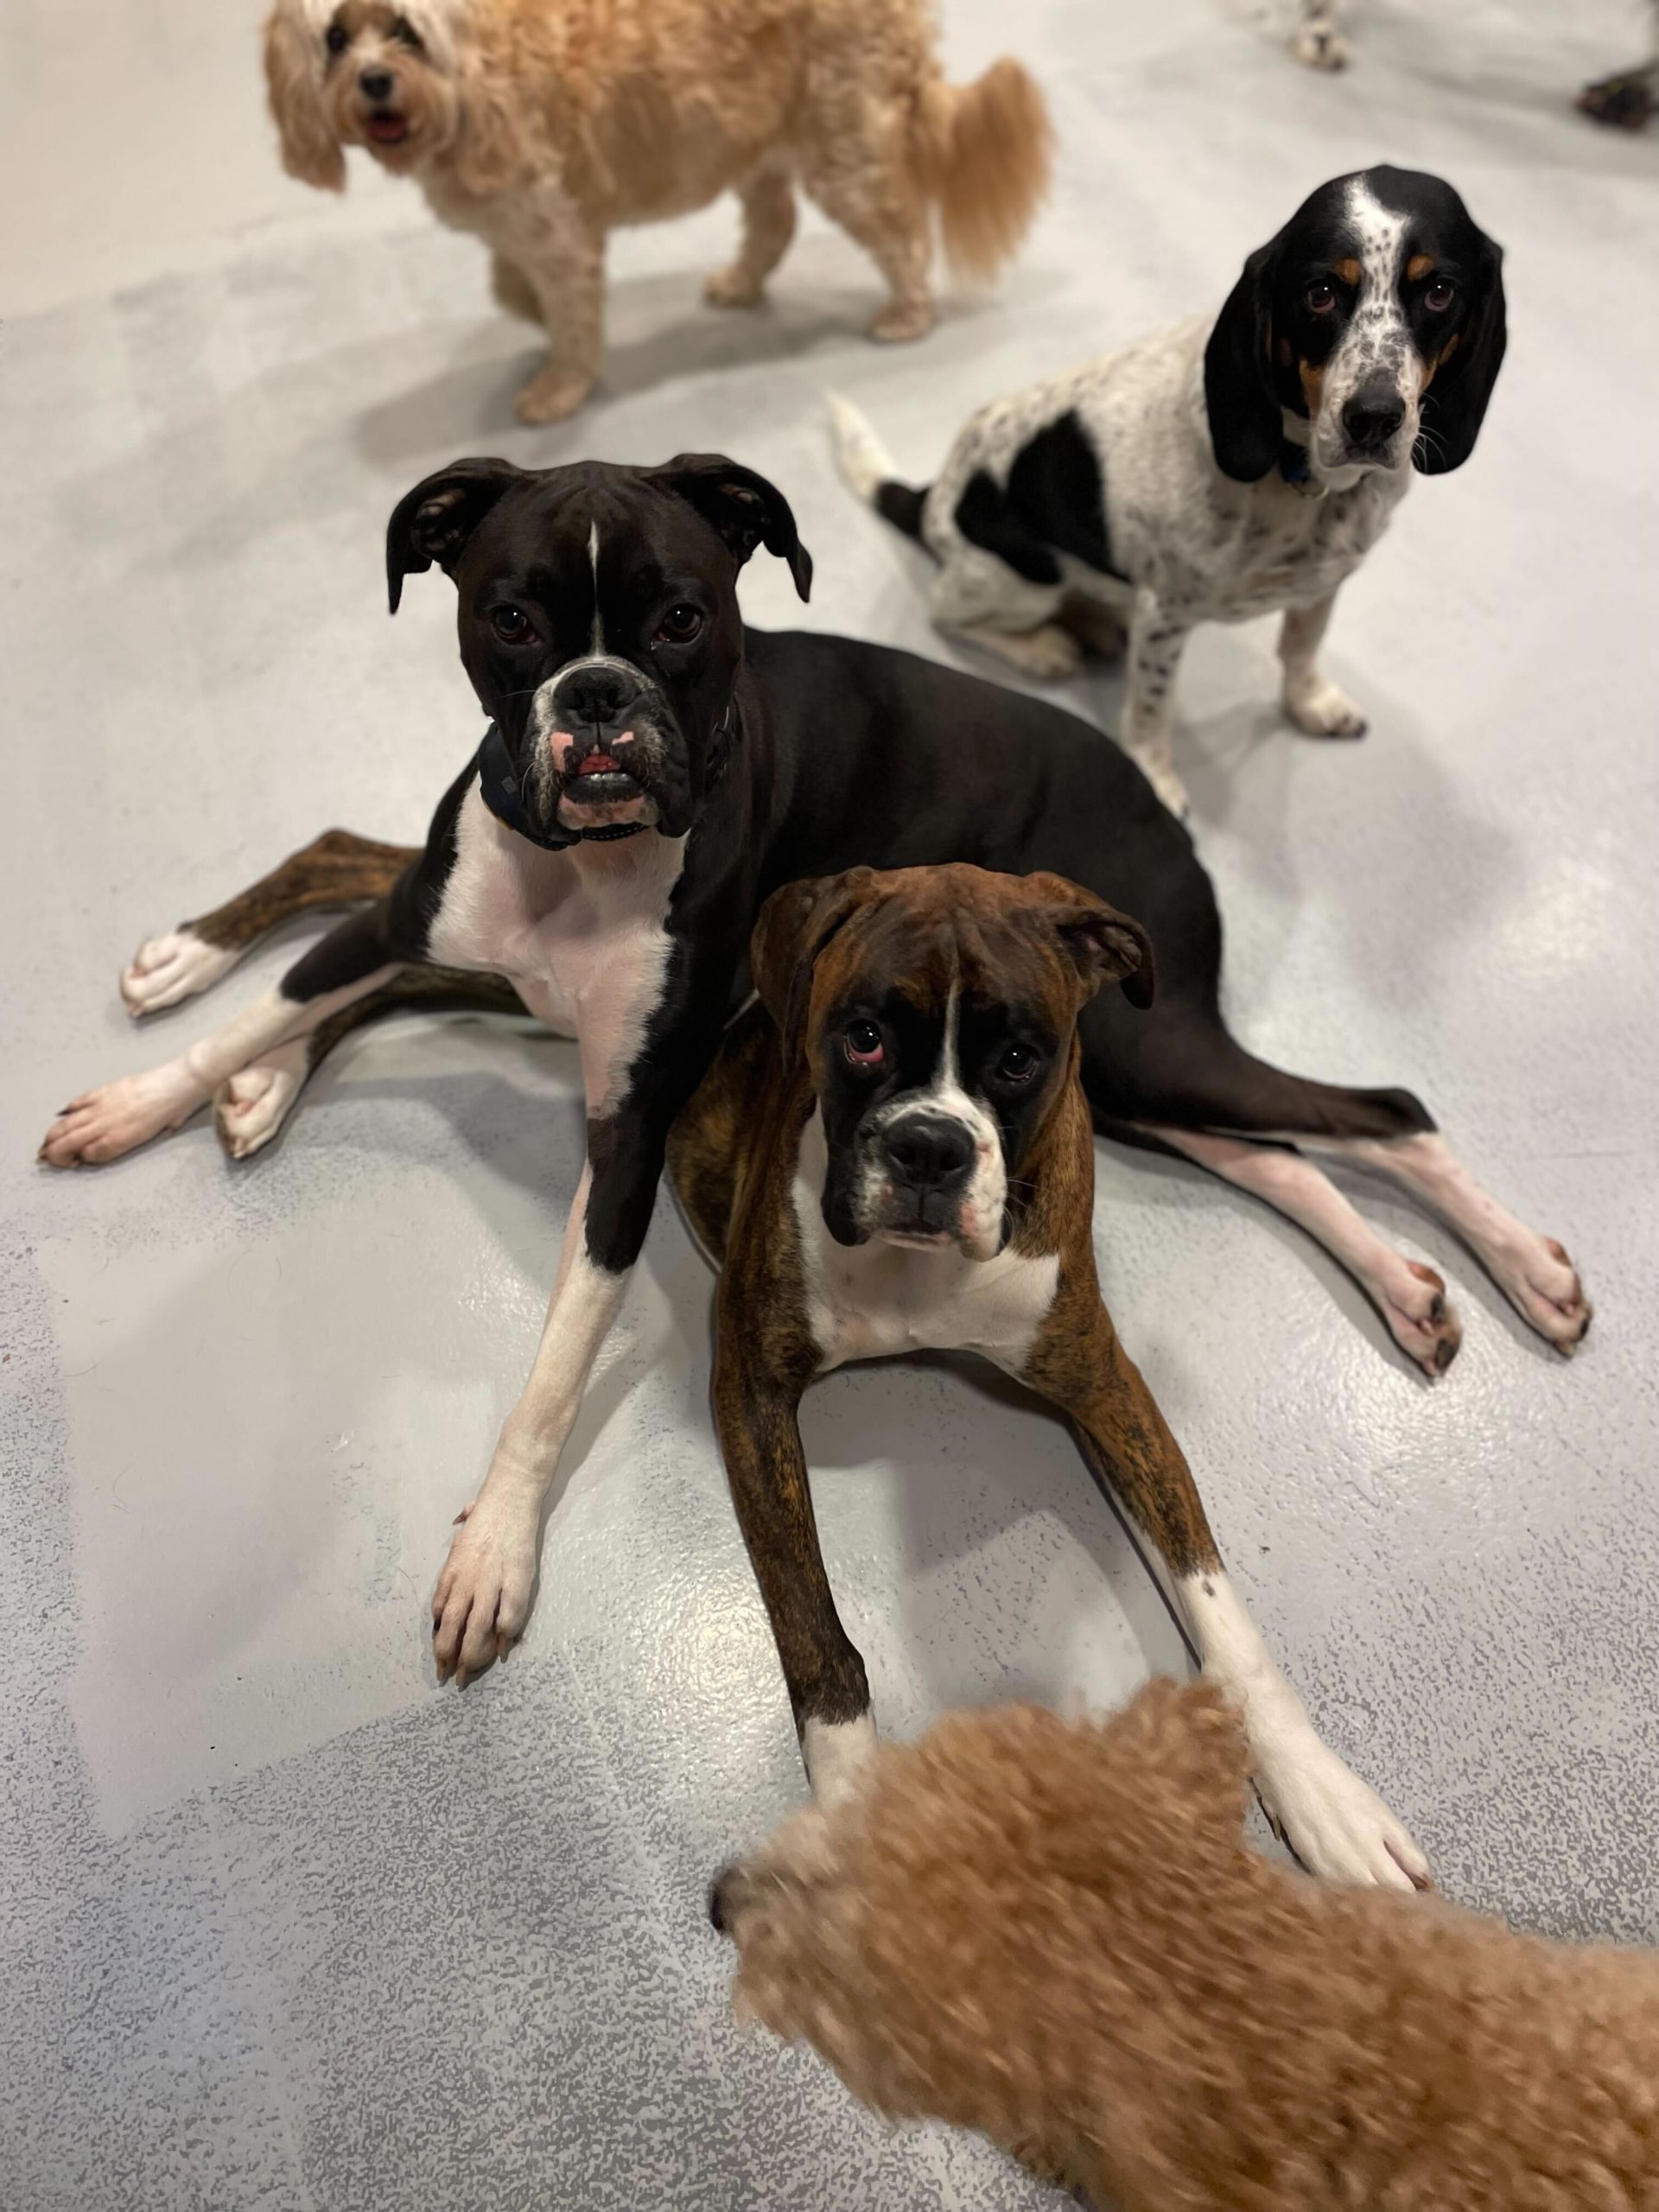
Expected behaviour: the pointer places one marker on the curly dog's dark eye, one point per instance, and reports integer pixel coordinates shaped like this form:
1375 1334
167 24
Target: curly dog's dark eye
403 29
336 39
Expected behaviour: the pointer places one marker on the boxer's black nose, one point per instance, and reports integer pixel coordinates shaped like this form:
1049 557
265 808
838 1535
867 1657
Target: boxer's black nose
928 1151
377 84
1372 415
594 695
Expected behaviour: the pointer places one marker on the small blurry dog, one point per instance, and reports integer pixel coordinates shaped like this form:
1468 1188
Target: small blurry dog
541 124
1057 1934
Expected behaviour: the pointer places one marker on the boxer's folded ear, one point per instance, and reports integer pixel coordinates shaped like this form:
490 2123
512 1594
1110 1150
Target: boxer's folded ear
434 521
792 929
742 507
1103 945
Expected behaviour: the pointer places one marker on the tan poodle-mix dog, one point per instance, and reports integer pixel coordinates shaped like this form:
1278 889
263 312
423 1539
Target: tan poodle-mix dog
541 124
1056 1934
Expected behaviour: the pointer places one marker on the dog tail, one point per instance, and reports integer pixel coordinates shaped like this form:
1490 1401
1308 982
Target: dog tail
868 467
984 154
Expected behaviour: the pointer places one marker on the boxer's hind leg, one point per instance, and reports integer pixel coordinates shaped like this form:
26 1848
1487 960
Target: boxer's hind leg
251 1105
336 869
1336 1825
1534 1272
102 1125
1200 1095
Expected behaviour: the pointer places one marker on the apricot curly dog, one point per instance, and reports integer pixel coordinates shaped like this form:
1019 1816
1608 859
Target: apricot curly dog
1056 1933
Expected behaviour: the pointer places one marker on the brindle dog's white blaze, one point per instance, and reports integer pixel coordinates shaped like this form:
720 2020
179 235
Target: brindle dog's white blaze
979 1220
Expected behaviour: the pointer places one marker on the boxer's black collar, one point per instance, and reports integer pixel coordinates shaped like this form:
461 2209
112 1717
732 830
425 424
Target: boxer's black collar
498 783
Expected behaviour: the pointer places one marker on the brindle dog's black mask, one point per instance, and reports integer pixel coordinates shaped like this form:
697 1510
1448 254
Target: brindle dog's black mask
598 605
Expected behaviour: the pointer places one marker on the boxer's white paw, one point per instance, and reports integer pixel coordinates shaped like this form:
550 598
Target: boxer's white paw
1541 1283
734 287
1321 46
166 969
835 1752
1337 1827
1323 709
252 1106
1421 1320
482 1600
104 1124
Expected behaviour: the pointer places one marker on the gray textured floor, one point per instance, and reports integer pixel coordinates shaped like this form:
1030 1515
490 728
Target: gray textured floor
281 1924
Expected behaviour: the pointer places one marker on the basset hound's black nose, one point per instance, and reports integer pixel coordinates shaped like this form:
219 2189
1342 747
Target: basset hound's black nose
1371 417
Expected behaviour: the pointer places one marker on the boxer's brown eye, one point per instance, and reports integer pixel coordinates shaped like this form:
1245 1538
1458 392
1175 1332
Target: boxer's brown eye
679 627
862 1041
1320 298
1017 1064
1439 295
511 625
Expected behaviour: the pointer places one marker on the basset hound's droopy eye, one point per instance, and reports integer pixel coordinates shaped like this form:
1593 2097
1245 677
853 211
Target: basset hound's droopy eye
1438 295
1320 297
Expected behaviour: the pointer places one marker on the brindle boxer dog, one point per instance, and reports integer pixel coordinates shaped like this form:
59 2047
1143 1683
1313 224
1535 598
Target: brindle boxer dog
915 1170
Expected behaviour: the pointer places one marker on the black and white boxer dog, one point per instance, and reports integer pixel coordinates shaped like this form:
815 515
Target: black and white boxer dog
893 1152
652 773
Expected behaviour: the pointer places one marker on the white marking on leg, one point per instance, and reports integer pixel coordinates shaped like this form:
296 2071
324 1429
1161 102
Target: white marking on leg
1337 1825
864 462
252 1104
1532 1271
105 1124
1410 1296
1312 701
596 644
835 1752
482 1599
165 969
1156 640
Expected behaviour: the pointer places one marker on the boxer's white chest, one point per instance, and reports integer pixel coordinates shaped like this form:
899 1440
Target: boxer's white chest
580 934
875 1300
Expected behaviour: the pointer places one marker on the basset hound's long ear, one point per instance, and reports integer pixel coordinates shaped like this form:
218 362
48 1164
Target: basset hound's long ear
742 508
1454 406
792 929
294 85
434 521
1238 388
1103 945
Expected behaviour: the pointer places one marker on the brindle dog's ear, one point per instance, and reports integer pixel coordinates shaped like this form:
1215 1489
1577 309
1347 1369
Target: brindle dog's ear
1454 406
1238 388
794 927
1103 945
434 521
742 507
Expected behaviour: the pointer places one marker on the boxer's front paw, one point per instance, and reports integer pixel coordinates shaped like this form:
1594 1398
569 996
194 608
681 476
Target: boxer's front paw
1323 709
553 394
1541 1283
252 1106
482 1600
166 969
104 1124
1337 1827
